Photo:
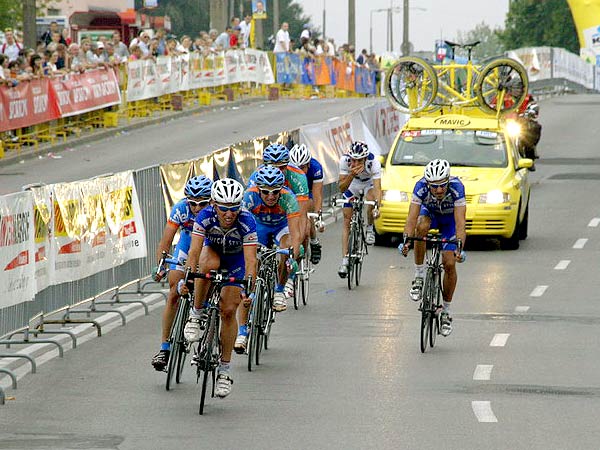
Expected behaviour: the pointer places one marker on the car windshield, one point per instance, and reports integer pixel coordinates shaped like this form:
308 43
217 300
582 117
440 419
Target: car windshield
462 148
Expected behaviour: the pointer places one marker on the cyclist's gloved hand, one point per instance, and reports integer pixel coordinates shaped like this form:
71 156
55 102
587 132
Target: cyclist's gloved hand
291 265
157 274
376 213
300 252
246 299
461 257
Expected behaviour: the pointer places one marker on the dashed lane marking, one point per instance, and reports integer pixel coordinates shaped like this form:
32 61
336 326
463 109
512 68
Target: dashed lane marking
522 309
580 243
594 222
538 291
483 411
483 372
499 340
562 264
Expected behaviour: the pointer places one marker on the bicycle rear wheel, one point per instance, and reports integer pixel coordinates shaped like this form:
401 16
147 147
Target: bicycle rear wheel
426 312
501 86
268 313
351 257
296 291
360 254
305 281
254 326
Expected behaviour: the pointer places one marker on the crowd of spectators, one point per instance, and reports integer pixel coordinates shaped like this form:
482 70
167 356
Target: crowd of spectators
56 55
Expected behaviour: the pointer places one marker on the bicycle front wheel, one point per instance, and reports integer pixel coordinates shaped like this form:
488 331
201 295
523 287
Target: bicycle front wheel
502 86
426 312
207 354
305 278
360 255
351 257
411 84
176 340
425 329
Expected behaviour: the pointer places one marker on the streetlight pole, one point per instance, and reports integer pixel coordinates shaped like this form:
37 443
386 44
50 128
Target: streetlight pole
324 19
405 42
391 25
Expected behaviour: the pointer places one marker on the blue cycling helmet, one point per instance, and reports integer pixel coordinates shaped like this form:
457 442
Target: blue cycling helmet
269 176
276 154
199 186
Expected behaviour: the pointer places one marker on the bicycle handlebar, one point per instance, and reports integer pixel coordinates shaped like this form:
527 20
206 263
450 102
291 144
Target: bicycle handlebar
342 201
217 276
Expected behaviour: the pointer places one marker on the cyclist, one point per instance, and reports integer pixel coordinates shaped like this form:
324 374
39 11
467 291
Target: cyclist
300 156
277 218
359 170
183 214
278 155
438 201
224 236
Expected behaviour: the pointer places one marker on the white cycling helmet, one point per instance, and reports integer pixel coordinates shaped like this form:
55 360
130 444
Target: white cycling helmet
299 155
436 170
227 190
358 150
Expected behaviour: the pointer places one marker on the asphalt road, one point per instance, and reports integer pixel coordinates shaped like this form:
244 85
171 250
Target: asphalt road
520 370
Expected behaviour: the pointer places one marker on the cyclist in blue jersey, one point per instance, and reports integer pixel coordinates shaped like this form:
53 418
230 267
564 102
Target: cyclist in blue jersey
300 156
278 155
224 236
183 214
438 201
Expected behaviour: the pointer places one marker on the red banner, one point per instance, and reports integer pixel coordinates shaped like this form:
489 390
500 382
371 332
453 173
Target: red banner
80 93
28 103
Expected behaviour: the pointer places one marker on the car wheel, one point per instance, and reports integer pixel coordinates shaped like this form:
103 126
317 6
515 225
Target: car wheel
512 243
524 225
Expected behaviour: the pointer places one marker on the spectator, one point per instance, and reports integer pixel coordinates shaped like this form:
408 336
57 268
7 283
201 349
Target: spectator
235 22
305 32
47 36
153 48
282 39
143 43
222 42
234 38
57 38
3 66
111 57
11 47
98 50
51 65
246 30
76 59
361 60
36 66
136 53
172 47
61 63
332 49
40 48
160 36
120 48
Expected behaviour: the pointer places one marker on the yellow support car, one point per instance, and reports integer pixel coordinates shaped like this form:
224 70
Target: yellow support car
481 153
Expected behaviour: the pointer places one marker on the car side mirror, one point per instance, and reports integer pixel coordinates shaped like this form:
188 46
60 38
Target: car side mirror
525 163
381 159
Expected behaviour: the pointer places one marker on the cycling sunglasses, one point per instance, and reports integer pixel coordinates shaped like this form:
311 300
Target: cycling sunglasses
233 208
266 192
198 203
438 185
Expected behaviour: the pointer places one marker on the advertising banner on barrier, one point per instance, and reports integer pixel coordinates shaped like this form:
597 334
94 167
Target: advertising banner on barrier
322 71
17 282
43 224
78 93
26 104
308 70
384 123
97 225
289 68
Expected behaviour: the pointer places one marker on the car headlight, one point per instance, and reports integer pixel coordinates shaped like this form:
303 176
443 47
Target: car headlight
395 196
495 197
513 129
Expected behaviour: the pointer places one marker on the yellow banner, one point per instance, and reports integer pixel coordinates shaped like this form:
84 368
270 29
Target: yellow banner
586 14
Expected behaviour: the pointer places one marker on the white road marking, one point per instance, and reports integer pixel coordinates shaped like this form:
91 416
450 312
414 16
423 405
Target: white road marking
538 291
580 243
483 372
483 411
522 309
562 264
499 340
594 222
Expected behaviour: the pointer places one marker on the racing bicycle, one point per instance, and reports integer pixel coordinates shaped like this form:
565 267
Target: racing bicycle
207 352
431 297
357 243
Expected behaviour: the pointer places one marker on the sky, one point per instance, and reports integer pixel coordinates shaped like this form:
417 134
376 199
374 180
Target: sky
442 17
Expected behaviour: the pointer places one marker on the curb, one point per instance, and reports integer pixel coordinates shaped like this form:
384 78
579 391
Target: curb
42 353
31 153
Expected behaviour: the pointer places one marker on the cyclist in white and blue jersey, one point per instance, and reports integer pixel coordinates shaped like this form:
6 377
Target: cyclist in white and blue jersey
224 237
197 195
438 201
301 157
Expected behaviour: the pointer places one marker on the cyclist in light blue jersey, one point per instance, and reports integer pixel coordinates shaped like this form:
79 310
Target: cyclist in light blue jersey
183 214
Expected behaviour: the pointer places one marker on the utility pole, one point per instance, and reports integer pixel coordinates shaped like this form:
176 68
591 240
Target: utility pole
324 19
405 42
232 9
352 23
275 17
29 32
218 15
259 40
391 26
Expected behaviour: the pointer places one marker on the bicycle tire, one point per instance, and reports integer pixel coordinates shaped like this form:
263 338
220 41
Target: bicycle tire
207 364
501 77
305 278
254 328
426 310
435 317
174 340
351 261
269 315
360 254
411 84
296 291
183 348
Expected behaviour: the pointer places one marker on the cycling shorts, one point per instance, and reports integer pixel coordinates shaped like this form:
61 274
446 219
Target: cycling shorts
265 232
354 189
180 254
445 224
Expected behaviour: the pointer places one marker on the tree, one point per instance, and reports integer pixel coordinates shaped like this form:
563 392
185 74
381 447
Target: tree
11 12
535 23
489 44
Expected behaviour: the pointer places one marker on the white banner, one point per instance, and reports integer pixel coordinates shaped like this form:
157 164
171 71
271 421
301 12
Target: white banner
384 123
147 79
97 225
17 249
43 224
